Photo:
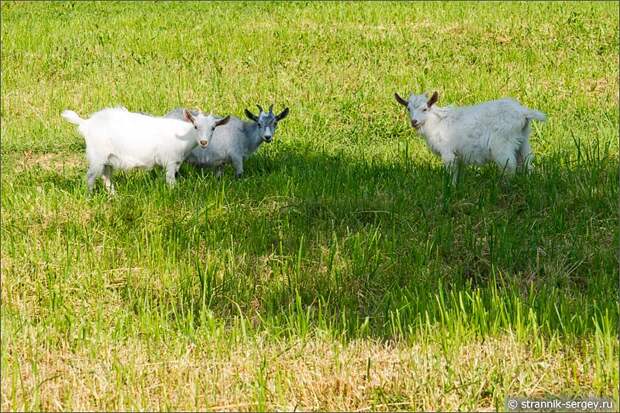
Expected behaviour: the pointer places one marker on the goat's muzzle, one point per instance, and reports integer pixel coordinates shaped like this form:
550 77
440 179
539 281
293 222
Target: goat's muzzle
203 143
268 139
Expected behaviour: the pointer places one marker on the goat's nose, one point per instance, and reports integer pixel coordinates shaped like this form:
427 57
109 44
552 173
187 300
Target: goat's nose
268 138
414 123
203 143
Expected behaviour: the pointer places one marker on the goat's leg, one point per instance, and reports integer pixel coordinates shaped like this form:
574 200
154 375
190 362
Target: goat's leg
107 179
525 156
94 171
507 161
171 171
451 164
238 165
219 171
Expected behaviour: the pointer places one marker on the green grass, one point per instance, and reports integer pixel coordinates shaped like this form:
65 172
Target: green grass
342 272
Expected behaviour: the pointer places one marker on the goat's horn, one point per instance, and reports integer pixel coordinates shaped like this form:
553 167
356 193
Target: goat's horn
271 108
259 108
401 100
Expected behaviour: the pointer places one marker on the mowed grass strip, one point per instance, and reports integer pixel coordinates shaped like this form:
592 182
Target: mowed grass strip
343 272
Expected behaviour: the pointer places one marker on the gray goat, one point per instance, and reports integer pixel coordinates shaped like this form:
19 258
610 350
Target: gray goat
235 141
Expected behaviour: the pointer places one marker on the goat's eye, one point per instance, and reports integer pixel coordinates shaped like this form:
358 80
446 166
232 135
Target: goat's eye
424 109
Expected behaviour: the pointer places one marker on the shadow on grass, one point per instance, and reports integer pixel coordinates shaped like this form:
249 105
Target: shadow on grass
373 248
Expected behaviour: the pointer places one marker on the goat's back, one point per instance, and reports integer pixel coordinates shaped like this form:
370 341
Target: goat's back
502 113
492 107
134 139
121 114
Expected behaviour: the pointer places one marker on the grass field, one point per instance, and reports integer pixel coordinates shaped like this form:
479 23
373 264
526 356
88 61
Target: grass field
342 272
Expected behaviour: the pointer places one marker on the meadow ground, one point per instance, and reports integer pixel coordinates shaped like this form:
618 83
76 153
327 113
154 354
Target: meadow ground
342 272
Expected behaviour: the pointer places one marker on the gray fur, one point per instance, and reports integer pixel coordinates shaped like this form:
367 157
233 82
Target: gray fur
235 141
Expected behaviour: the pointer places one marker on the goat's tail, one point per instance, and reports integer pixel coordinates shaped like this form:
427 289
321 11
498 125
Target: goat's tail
534 114
72 117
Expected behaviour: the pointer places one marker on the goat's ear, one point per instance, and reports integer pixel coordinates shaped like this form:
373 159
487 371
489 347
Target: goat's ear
433 99
282 115
189 117
222 121
401 100
251 116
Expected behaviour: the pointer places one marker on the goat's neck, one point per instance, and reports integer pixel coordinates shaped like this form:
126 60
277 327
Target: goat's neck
253 133
188 135
431 130
189 139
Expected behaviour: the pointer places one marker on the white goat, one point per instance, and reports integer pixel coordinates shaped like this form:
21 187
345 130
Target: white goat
492 131
117 138
236 141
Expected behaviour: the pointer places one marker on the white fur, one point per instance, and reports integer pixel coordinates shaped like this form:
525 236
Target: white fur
117 138
492 131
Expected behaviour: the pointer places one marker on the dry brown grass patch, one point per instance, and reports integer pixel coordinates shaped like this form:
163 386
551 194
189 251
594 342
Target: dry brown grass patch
57 162
313 374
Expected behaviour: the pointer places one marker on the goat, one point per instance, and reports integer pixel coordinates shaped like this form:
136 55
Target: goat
497 131
236 141
117 138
